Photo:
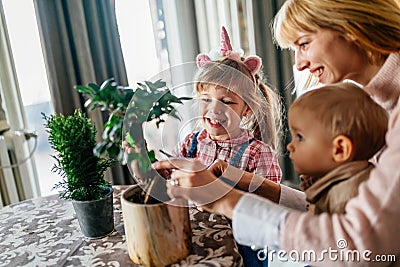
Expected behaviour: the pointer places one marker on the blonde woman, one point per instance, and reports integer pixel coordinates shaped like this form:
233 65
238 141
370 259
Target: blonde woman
335 40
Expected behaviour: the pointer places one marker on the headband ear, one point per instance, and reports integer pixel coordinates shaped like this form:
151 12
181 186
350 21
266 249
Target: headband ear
202 60
253 63
226 46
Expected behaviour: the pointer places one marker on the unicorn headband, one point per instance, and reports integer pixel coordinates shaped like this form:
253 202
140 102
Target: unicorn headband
253 63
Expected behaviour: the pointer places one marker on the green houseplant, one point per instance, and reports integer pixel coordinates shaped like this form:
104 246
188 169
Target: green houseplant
83 182
168 240
157 233
148 102
113 98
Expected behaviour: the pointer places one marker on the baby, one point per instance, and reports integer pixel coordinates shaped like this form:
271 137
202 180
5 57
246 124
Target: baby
336 130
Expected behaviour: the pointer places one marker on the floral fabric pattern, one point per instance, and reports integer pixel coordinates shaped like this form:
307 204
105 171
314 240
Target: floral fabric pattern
45 232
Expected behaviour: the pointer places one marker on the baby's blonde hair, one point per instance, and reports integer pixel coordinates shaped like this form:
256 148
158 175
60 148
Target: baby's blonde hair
373 25
346 109
265 119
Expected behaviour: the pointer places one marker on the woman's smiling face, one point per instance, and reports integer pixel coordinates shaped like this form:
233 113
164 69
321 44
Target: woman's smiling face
329 56
222 111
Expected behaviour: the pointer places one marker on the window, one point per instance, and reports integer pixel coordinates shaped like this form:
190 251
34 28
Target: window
143 27
150 54
137 39
33 87
139 49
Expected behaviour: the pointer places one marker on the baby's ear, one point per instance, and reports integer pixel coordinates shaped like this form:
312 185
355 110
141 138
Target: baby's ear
253 63
342 149
202 60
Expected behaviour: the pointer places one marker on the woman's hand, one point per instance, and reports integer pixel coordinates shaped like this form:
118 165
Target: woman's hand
191 180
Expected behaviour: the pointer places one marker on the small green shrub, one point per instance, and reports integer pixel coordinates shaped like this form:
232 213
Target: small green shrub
73 138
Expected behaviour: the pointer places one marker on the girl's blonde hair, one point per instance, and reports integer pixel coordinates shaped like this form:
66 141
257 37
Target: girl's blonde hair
373 25
264 121
346 109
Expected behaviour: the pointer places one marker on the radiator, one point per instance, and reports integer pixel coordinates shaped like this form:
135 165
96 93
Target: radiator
17 174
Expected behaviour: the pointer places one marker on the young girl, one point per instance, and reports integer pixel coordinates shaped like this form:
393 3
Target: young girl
240 116
239 113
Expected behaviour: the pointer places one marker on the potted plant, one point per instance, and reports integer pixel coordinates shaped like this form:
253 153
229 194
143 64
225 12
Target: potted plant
149 102
113 98
157 233
73 138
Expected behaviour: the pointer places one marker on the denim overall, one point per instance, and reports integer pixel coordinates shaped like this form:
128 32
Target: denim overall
249 256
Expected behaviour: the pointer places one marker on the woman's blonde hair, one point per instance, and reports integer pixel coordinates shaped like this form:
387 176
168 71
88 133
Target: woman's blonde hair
265 119
373 25
346 109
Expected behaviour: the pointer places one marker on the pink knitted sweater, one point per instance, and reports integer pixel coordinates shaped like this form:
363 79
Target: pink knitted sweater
372 219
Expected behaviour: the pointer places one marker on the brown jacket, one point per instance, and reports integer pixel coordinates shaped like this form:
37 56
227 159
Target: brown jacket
331 192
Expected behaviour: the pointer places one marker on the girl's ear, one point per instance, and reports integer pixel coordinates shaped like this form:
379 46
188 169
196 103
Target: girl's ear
253 63
342 149
202 59
247 111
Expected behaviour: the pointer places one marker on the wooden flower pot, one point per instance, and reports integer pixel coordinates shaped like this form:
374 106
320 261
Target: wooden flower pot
156 234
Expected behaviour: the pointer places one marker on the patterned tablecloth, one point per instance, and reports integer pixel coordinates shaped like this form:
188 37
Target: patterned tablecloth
45 232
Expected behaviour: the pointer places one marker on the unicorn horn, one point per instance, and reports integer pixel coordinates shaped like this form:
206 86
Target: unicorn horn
225 42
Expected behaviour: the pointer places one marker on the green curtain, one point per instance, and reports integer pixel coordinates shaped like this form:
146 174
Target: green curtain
81 44
278 66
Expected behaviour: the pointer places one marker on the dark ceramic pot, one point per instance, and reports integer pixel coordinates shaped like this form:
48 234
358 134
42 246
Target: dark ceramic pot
96 217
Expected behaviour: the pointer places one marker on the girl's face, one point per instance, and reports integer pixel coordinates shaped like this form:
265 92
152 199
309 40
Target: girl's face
330 57
311 149
222 112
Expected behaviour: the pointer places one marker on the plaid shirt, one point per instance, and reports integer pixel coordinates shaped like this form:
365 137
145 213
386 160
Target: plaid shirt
258 157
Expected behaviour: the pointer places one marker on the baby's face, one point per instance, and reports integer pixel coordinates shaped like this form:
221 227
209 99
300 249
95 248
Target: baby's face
311 147
222 111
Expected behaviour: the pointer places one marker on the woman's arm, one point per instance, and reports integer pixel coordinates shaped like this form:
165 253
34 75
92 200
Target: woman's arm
293 198
256 220
250 182
246 181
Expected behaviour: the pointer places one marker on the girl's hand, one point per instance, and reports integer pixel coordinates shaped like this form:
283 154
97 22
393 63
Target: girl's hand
218 167
229 174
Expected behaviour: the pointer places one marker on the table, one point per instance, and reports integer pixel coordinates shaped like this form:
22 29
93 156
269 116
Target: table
45 232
